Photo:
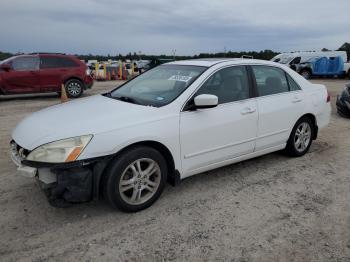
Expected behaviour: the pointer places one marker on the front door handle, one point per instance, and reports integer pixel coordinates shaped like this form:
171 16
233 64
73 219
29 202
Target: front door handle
248 110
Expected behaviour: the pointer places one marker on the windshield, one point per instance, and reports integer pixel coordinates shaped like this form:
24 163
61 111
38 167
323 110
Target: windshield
159 86
285 59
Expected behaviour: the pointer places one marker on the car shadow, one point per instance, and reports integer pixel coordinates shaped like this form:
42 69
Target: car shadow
29 96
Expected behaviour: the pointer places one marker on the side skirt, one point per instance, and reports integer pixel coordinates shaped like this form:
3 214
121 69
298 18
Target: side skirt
233 160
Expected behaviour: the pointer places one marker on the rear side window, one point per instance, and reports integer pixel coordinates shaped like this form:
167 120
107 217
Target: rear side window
25 63
270 80
293 86
56 62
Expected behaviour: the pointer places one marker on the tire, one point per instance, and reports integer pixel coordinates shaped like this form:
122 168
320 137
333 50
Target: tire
74 88
306 74
304 131
123 185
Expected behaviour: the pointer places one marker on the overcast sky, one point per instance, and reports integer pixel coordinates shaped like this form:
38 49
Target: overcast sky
159 26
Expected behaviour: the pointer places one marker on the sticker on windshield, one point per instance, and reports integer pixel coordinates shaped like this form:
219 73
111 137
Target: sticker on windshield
159 98
180 78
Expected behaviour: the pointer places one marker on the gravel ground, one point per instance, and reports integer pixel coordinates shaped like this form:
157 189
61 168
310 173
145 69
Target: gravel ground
272 208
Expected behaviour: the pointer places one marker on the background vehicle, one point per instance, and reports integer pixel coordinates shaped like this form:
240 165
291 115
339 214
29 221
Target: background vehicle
322 66
343 102
43 72
295 58
174 121
301 62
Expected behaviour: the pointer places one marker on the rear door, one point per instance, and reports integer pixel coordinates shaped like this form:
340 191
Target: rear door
23 76
280 104
53 71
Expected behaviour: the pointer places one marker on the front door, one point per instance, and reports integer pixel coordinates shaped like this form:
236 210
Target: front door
23 77
212 136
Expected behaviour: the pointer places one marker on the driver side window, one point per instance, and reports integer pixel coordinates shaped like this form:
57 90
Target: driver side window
229 85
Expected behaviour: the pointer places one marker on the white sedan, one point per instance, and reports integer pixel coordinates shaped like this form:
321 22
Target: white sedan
174 121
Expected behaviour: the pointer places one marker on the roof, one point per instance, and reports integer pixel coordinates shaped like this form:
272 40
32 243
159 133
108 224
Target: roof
202 61
208 62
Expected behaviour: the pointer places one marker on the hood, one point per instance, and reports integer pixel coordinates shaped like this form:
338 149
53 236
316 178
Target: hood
91 115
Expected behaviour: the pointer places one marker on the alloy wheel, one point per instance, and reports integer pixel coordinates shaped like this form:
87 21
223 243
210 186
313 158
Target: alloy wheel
302 137
140 181
74 88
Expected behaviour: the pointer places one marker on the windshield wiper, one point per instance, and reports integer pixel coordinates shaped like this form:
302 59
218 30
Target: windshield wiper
126 99
108 94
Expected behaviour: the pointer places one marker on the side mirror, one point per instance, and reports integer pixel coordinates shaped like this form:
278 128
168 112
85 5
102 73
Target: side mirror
205 101
5 67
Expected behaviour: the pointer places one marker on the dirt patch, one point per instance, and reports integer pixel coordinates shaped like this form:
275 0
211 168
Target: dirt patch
272 208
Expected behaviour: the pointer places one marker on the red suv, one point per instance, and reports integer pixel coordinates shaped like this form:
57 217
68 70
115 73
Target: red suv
38 73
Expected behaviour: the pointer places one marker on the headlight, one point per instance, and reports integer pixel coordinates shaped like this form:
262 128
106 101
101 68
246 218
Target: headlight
60 151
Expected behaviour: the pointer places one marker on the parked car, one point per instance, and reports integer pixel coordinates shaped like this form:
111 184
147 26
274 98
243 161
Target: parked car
343 102
43 72
322 66
174 121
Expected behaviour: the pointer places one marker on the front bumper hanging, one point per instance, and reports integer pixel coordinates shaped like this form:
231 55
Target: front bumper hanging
63 183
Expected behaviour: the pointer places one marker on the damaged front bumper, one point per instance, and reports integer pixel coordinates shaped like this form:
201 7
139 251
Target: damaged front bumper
63 183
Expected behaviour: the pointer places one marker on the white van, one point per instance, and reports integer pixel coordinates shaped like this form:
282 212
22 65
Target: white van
294 58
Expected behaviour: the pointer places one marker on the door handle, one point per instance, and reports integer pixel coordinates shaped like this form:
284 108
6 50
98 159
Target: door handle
248 110
297 100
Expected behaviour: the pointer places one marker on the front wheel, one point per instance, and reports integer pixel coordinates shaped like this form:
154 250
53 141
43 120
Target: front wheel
306 74
136 179
300 139
74 88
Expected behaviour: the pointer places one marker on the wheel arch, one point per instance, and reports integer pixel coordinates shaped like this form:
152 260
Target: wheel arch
73 78
314 121
156 145
173 174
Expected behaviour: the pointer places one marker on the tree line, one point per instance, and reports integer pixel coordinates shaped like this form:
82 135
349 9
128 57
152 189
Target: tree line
264 55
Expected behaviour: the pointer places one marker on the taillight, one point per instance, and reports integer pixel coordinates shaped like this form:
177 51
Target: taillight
328 97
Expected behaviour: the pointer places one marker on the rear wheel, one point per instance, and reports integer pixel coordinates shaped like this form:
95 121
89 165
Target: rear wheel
74 88
300 139
136 179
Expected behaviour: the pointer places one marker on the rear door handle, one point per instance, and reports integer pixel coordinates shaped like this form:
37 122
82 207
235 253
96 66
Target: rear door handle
248 110
297 100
